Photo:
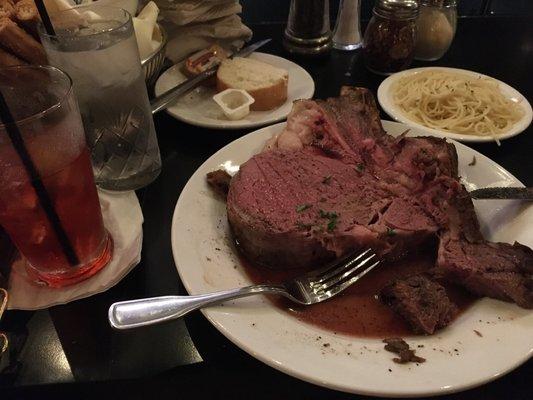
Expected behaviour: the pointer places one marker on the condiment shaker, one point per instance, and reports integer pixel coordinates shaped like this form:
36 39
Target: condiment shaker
436 24
390 36
308 28
347 32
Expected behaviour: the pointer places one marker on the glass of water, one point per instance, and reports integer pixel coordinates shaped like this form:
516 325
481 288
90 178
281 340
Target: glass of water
96 46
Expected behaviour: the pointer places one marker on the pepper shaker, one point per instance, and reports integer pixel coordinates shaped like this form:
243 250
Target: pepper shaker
347 32
308 28
390 36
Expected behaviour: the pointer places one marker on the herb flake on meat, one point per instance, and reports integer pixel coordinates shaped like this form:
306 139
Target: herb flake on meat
360 167
390 232
332 224
302 207
326 180
332 219
302 226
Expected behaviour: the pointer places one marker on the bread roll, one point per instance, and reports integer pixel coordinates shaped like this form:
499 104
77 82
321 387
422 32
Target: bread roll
27 15
20 43
265 83
6 9
9 60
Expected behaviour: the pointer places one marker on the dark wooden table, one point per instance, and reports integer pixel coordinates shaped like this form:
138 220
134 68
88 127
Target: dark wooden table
70 351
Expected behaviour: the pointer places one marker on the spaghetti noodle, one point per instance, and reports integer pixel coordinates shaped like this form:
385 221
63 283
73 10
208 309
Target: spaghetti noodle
456 103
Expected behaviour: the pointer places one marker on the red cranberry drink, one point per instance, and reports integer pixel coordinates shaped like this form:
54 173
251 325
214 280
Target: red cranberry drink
78 245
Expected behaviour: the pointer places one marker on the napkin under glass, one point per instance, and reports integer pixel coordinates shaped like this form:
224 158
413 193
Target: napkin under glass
123 219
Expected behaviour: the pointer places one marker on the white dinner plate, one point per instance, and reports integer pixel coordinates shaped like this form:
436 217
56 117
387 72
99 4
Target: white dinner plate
387 103
457 358
198 107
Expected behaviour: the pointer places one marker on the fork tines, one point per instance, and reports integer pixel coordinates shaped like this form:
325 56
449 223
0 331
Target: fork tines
344 273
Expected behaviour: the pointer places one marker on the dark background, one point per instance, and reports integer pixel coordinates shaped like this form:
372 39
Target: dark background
275 11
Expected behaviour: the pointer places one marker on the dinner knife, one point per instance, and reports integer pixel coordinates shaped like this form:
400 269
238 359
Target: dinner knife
160 102
517 193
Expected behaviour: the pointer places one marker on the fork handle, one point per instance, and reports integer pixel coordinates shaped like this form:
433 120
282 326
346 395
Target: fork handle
135 313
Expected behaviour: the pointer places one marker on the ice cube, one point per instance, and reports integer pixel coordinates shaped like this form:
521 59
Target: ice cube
38 233
27 199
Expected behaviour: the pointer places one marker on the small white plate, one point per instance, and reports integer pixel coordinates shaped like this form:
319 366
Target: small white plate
198 107
387 103
457 358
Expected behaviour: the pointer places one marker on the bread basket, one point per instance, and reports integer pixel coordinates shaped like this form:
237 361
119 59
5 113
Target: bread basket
154 62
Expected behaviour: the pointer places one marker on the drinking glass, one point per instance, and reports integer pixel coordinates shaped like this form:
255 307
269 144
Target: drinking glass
53 218
96 46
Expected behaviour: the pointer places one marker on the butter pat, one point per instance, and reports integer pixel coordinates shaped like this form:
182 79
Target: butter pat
235 103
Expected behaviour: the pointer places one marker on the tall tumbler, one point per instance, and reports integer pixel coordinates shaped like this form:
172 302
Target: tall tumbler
96 46
48 201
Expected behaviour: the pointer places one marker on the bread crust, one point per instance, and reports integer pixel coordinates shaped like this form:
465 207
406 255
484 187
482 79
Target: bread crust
266 98
8 60
271 94
20 43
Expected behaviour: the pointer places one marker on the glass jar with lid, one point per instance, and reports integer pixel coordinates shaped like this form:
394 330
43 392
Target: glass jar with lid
436 24
390 36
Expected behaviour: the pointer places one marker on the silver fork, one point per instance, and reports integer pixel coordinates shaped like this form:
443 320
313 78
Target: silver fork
311 288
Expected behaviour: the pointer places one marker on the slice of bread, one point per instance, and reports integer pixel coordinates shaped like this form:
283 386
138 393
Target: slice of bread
265 83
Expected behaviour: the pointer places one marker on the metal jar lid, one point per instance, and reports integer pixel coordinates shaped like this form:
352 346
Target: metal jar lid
438 3
397 9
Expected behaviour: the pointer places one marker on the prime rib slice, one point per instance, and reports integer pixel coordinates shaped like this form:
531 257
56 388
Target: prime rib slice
423 303
333 181
499 270
312 208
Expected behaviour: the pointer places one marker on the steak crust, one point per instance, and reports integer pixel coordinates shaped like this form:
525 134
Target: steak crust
423 303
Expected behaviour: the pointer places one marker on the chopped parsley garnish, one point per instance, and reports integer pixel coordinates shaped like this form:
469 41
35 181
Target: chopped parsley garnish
390 232
360 167
302 207
303 226
327 214
327 179
332 218
332 224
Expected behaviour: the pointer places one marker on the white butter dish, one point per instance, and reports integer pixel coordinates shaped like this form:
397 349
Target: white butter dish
234 102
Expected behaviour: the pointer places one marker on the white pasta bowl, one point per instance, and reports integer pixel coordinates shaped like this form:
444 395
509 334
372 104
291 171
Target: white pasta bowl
386 101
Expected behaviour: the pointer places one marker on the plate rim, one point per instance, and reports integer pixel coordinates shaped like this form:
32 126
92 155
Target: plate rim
224 125
212 317
388 106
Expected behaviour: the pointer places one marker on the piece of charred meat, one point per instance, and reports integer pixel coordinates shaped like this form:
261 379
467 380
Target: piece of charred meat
421 302
219 181
400 347
498 270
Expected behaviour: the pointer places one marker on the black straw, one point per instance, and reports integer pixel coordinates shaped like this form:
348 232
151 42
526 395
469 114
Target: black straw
36 181
45 18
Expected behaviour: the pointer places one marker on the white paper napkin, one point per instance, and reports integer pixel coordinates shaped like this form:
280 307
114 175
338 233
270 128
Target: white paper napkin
123 219
144 25
228 32
186 12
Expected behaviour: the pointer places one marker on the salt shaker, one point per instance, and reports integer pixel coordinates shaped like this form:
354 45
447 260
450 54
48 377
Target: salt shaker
389 41
347 32
308 29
